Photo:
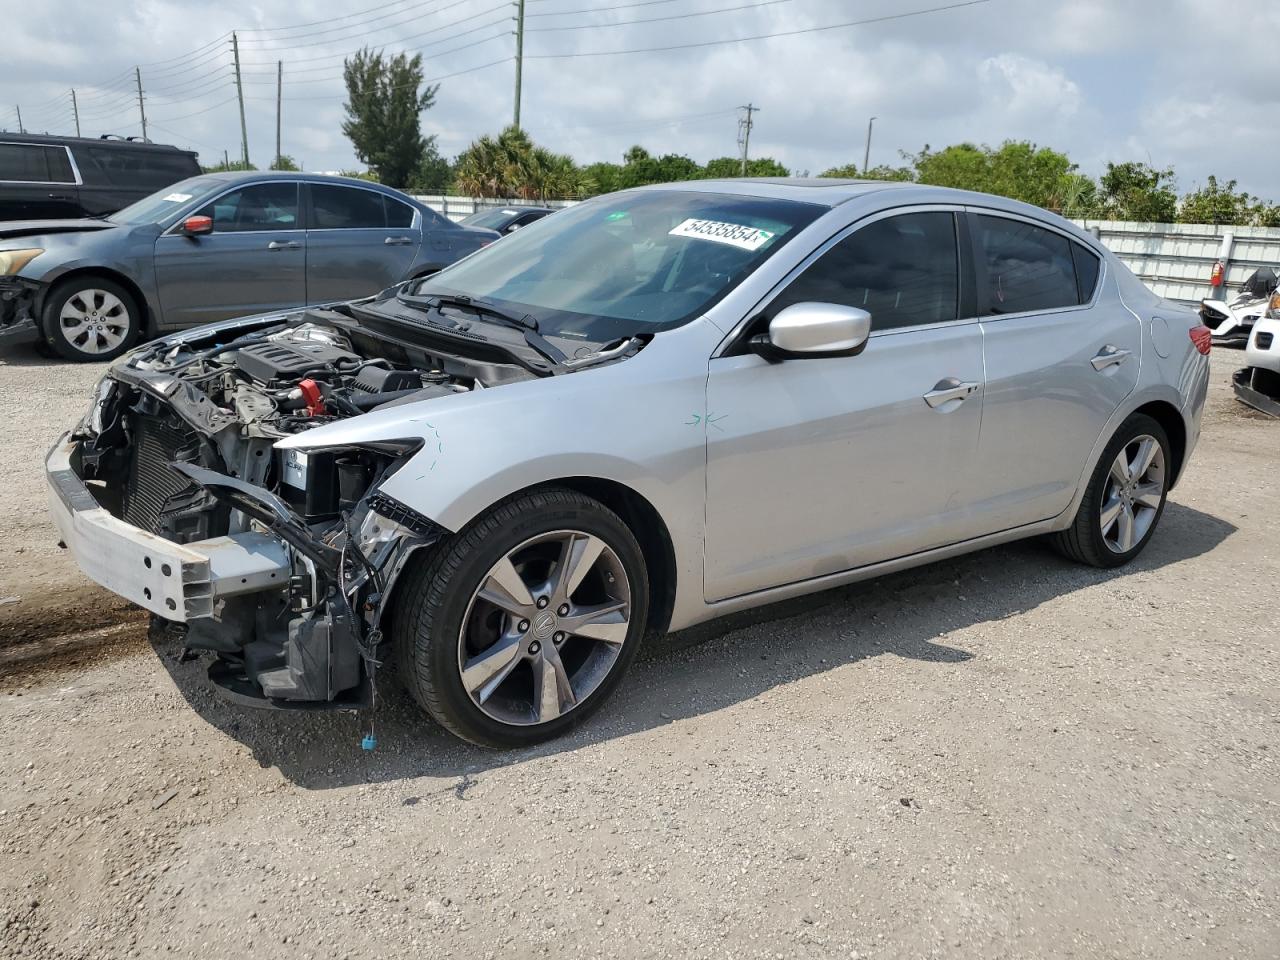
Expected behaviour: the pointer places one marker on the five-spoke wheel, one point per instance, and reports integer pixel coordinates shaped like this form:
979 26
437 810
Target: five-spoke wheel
518 627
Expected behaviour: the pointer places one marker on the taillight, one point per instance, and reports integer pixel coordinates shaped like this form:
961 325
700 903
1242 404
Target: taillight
1202 337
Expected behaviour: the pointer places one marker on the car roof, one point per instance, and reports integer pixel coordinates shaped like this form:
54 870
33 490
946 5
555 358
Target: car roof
245 176
830 192
114 143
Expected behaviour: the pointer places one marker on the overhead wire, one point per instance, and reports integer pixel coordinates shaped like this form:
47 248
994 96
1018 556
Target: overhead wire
759 36
674 16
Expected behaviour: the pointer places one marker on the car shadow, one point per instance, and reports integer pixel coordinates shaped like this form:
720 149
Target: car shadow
23 353
697 671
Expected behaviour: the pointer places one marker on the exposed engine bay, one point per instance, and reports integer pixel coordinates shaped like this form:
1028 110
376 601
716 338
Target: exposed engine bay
296 551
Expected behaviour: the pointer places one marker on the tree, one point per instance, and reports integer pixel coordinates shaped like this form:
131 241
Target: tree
1136 191
434 173
285 162
228 165
383 106
1017 169
1219 204
722 167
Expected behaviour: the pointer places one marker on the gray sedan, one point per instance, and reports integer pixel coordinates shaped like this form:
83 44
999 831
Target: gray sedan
212 247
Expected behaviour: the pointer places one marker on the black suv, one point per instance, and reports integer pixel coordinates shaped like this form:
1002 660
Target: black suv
43 178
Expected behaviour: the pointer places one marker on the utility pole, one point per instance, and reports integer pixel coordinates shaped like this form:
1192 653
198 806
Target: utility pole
866 153
744 133
279 88
21 128
75 109
244 132
519 56
137 72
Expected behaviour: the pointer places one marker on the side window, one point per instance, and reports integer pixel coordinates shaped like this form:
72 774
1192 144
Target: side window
1087 266
399 215
264 206
1027 267
23 162
902 270
345 208
59 165
141 167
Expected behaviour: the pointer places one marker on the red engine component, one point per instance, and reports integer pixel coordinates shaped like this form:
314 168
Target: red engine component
313 397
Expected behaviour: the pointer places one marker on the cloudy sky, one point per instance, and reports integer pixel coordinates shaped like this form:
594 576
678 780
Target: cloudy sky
1171 82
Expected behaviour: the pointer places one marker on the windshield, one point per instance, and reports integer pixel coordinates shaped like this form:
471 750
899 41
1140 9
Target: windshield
627 263
493 219
163 202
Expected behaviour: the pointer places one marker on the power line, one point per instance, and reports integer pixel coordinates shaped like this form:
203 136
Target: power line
389 26
345 16
199 112
674 16
618 6
346 27
759 36
429 80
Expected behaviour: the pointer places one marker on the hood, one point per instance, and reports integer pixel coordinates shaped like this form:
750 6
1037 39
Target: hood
35 228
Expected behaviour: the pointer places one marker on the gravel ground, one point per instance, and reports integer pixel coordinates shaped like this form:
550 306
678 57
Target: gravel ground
1001 756
41 591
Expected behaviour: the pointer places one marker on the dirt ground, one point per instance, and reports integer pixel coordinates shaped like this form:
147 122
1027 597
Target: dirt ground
1005 755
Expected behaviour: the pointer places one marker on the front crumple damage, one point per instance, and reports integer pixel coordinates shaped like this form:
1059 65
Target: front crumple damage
281 551
19 304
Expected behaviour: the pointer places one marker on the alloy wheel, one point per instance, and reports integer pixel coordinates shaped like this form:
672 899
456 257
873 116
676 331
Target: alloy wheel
1133 494
544 628
94 321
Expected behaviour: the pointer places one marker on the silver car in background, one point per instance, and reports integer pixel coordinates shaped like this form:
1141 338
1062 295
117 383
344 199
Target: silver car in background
652 409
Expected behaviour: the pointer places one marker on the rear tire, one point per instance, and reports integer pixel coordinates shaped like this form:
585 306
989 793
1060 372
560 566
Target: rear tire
89 319
1121 507
518 629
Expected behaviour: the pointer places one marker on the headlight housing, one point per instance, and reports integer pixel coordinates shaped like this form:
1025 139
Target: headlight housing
11 261
1273 306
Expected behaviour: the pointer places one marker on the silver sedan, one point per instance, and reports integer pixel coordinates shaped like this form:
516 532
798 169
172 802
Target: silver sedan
650 410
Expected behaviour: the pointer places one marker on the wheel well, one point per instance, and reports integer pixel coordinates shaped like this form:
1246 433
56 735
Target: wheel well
650 532
1167 415
148 321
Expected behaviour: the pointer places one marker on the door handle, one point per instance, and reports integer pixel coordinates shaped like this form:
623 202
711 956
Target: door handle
398 241
283 245
1109 356
58 196
945 391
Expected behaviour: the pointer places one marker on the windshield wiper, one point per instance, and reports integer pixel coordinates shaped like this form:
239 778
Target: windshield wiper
521 321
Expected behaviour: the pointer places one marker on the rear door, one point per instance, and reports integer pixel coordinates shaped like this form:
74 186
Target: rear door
1059 360
358 242
37 182
253 262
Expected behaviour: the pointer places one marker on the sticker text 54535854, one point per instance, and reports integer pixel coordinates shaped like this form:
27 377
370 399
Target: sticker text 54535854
734 234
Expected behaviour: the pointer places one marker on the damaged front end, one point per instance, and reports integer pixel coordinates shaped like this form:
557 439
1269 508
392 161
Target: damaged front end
19 299
171 493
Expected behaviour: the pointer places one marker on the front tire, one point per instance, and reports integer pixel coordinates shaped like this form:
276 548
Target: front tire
519 628
88 319
1125 497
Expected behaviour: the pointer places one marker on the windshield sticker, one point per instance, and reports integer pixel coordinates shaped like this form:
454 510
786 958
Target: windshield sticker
734 234
177 197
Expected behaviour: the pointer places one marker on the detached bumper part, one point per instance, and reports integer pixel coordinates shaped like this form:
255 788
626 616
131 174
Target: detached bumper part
233 593
181 582
18 298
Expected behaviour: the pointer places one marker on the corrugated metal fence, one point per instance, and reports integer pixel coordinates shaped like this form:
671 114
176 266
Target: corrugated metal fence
1174 259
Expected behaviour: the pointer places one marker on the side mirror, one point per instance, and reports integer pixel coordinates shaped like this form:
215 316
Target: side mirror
197 226
813 330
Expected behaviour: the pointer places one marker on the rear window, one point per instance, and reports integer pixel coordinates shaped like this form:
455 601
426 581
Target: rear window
1087 267
1027 268
345 208
23 162
148 169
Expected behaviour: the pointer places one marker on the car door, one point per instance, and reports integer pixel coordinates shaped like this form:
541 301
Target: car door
1059 361
37 182
254 261
825 464
359 241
